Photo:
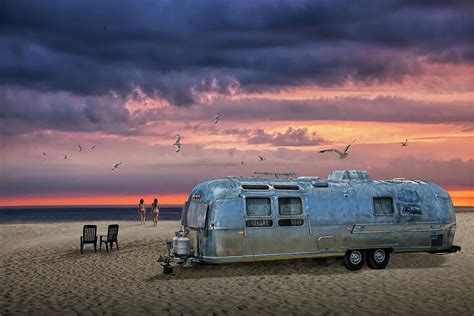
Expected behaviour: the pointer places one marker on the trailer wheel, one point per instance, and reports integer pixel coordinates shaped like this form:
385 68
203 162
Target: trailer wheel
378 258
354 259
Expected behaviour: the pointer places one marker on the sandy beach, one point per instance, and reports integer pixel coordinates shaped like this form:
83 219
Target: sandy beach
42 272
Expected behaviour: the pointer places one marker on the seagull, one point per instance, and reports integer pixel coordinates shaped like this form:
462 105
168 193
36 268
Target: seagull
44 154
405 143
116 165
177 143
261 158
342 155
93 147
79 147
65 156
217 118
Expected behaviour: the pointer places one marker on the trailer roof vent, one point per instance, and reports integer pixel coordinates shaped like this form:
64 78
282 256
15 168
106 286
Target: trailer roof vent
255 187
293 187
351 175
308 178
319 183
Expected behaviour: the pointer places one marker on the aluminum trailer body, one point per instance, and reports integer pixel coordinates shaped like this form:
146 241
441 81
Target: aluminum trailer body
237 219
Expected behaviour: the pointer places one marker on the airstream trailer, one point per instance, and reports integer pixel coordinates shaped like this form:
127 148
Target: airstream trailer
347 215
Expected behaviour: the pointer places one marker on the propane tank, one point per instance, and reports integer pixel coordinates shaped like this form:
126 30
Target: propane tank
175 244
182 247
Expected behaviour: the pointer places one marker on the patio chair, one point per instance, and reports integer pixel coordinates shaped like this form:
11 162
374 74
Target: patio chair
111 237
89 236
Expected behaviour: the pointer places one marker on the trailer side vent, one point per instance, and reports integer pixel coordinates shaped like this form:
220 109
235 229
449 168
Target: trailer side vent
255 187
291 222
286 187
259 223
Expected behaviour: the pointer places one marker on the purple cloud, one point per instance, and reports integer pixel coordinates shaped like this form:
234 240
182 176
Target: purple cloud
291 137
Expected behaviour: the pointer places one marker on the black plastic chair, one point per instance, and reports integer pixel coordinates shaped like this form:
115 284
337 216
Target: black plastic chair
89 236
111 237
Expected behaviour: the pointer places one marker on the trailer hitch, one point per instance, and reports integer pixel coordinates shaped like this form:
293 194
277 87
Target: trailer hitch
451 249
455 248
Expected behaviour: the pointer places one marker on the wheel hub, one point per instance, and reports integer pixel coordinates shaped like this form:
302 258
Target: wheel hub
379 256
355 257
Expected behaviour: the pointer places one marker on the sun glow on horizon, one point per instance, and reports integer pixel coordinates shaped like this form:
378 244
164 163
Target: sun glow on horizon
460 197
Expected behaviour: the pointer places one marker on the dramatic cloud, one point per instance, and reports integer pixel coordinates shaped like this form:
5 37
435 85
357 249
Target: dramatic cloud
24 111
127 75
178 50
292 137
454 172
382 109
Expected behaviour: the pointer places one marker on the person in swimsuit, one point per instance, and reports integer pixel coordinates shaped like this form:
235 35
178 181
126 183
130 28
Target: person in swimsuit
142 211
155 210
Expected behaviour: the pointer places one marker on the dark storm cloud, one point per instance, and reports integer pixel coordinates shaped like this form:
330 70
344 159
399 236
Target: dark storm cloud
177 49
24 111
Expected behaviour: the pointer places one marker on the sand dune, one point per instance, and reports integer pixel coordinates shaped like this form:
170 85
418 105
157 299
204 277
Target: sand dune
42 272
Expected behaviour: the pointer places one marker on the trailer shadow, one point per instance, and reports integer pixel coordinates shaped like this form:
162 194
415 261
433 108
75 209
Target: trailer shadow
315 267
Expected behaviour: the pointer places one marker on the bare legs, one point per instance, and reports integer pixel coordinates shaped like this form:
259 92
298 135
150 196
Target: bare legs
143 217
155 219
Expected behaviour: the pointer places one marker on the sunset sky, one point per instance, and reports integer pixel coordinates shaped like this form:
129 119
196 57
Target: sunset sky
289 77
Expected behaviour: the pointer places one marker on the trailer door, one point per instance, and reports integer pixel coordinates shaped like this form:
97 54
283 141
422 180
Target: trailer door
275 226
259 236
292 225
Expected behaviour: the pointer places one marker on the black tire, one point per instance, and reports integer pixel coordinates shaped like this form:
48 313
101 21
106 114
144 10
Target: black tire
378 258
354 259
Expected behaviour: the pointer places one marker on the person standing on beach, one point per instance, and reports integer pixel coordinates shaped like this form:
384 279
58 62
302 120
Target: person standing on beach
155 210
142 210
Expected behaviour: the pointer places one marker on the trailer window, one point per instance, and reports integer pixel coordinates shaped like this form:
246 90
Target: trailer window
408 196
290 206
255 187
259 207
383 206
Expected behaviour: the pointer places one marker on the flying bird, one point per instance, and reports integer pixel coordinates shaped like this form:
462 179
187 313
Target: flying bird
343 154
116 165
93 147
217 118
177 143
65 156
44 154
261 158
242 162
79 147
405 143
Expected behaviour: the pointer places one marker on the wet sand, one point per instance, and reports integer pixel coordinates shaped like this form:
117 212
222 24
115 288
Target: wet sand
42 272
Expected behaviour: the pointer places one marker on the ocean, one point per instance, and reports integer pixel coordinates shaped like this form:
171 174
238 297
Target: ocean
82 213
26 214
